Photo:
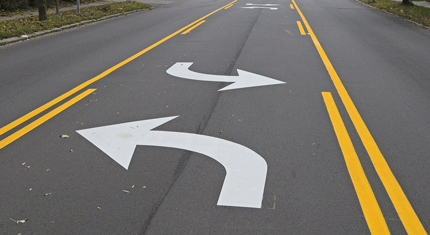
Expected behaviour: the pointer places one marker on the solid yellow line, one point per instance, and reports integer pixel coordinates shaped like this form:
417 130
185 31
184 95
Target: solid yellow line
43 119
302 31
407 215
98 77
372 213
227 7
195 26
291 5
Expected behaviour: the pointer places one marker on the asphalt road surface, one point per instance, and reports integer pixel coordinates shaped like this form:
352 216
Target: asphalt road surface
219 117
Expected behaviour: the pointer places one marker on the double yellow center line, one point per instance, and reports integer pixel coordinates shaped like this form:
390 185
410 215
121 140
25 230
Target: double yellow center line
401 203
193 27
26 129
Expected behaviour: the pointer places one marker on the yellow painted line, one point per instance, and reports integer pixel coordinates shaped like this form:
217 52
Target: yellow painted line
372 213
193 27
228 6
43 119
44 107
302 31
37 111
407 215
291 5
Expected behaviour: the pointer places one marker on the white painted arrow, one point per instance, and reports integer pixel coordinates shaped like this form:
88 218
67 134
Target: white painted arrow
261 7
244 80
262 4
245 170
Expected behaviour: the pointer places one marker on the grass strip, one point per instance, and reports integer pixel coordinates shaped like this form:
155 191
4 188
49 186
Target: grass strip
51 6
29 25
417 14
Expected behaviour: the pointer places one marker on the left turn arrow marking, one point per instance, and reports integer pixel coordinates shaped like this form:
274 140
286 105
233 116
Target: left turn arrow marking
245 169
243 80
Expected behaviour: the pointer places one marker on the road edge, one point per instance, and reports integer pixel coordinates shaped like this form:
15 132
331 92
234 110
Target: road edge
410 21
8 41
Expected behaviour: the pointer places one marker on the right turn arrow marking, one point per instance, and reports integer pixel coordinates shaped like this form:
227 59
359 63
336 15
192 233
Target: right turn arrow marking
244 80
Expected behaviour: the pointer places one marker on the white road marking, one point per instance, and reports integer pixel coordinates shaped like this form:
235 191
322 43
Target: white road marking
244 80
264 4
258 7
245 169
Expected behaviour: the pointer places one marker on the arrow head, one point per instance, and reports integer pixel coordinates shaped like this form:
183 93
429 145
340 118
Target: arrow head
247 79
119 141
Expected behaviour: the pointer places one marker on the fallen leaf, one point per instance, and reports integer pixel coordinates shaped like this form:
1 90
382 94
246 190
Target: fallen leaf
99 208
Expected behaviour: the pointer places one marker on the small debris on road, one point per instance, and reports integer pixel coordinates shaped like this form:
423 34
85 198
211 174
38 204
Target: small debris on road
64 136
19 221
125 191
47 194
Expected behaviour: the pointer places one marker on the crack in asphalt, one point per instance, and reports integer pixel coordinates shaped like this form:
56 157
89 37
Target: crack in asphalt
183 161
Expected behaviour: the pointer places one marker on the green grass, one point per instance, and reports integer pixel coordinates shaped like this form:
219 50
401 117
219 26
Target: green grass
417 14
29 25
51 7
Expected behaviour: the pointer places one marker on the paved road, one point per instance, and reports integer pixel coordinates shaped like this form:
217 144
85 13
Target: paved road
344 135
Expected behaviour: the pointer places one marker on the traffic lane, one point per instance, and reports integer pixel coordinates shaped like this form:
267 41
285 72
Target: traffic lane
381 61
308 188
108 116
86 179
56 63
78 209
